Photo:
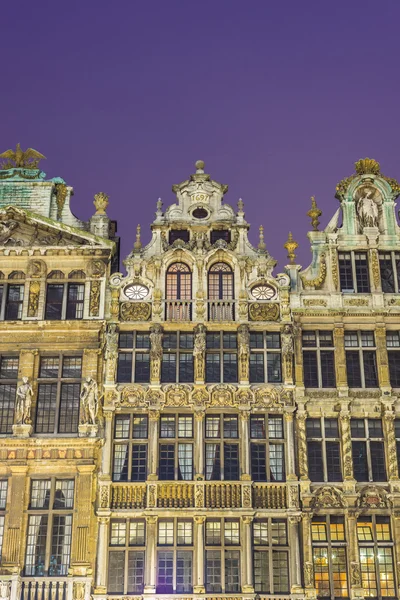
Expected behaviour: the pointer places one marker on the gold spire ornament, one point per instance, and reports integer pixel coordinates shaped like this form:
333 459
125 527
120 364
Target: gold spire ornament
100 202
366 166
138 244
291 246
314 213
21 159
261 244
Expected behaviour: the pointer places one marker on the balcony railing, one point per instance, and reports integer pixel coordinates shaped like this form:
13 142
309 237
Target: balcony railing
44 589
178 310
197 494
221 310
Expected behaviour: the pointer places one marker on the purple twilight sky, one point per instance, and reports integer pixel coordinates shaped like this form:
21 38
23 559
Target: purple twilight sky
278 98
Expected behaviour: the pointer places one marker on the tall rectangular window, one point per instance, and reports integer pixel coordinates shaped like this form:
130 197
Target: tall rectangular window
14 302
265 357
3 503
58 401
368 450
130 447
393 347
389 263
222 556
64 301
49 535
175 556
375 545
354 272
222 447
329 557
267 448
176 447
318 359
323 447
361 364
177 359
133 357
8 389
221 358
271 556
126 556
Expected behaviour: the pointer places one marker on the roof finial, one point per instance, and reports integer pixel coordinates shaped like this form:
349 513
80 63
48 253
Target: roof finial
159 208
261 244
138 244
291 246
100 202
199 166
240 205
314 213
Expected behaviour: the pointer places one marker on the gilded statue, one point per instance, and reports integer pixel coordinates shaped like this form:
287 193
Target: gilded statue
199 351
23 403
287 350
21 159
89 401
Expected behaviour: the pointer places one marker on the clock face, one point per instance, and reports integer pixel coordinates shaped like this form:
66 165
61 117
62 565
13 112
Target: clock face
136 291
263 292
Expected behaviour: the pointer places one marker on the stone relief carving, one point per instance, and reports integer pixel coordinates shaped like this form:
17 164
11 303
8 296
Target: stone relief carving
328 497
263 312
244 351
372 497
135 311
156 351
199 352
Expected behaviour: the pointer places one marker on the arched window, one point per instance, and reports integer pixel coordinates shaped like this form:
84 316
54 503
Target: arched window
220 282
179 282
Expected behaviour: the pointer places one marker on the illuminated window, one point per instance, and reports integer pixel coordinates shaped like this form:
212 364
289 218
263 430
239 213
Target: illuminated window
130 448
376 556
271 556
178 282
329 557
126 556
175 556
48 547
222 555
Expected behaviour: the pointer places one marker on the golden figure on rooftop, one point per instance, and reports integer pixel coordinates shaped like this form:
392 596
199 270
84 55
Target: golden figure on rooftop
314 213
21 159
291 246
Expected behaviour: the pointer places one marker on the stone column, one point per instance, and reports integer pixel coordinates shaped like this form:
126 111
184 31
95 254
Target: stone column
154 417
382 357
247 558
198 587
14 545
388 423
294 551
151 556
355 581
199 445
340 357
345 433
244 445
82 532
107 448
301 416
298 356
102 551
307 555
290 446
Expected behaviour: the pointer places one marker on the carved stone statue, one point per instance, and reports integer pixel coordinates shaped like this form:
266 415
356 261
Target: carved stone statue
367 209
199 351
89 401
244 351
287 350
111 350
23 403
6 229
156 351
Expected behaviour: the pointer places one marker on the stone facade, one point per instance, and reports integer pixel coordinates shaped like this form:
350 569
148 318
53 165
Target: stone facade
198 427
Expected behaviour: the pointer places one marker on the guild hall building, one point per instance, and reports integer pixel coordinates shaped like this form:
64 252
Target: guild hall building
197 426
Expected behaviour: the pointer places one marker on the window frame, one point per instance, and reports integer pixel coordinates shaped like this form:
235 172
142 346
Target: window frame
267 441
270 549
318 349
59 382
361 349
375 544
131 441
330 545
178 351
133 351
8 407
265 352
323 439
127 548
175 548
5 285
394 258
222 548
176 441
50 511
66 302
221 351
355 256
221 441
367 439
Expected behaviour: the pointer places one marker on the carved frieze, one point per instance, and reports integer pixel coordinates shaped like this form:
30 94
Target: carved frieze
263 311
135 311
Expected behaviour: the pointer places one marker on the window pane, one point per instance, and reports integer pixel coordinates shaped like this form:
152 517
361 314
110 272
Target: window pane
257 427
165 572
9 367
139 429
69 408
231 533
345 272
280 565
213 369
328 369
360 464
75 299
72 367
36 545
333 465
184 568
315 464
258 462
370 370
274 369
185 461
60 545
135 572
185 426
64 493
124 368
378 461
353 369
232 571
261 572
394 368
231 462
167 426
167 461
185 533
118 533
257 373
139 462
116 564
7 406
310 369
231 426
120 462
168 368
275 428
136 533
54 299
186 367
213 533
387 274
213 571
362 274
230 368
142 367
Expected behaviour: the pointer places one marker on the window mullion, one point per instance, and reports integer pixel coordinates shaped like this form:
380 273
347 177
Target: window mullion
353 271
